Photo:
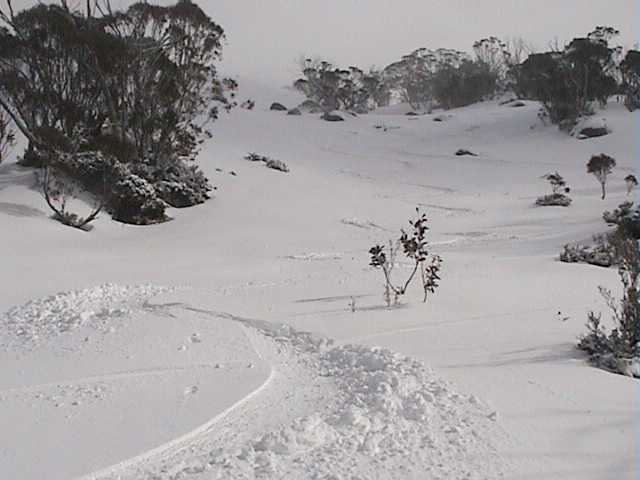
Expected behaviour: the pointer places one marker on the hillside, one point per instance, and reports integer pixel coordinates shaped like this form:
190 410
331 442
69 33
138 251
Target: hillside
200 366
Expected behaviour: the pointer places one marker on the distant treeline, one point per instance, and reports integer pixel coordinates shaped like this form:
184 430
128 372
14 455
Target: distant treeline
567 79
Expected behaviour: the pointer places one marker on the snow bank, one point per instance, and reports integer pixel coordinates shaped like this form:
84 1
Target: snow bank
387 416
41 319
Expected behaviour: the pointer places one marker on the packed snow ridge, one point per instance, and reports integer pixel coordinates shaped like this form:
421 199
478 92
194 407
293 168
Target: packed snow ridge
44 318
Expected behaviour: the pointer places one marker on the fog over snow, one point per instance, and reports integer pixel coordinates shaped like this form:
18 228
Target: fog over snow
265 37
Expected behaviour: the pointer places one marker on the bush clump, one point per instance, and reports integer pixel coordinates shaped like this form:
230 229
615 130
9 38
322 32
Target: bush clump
134 200
271 163
553 200
618 349
559 189
600 252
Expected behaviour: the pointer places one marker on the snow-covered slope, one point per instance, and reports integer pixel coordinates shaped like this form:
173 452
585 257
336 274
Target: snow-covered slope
147 365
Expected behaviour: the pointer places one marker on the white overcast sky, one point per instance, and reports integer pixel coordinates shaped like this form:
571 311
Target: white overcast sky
266 36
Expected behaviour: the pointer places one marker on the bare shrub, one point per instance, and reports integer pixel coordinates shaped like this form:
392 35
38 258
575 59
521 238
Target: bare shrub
414 247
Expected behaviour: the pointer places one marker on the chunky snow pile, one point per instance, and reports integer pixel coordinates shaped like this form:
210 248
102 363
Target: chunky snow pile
374 414
47 317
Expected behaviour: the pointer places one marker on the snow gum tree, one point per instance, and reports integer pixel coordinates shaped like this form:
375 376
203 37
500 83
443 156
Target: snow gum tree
566 80
141 85
601 166
335 88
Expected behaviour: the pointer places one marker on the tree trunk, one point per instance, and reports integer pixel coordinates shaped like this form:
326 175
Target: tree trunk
604 192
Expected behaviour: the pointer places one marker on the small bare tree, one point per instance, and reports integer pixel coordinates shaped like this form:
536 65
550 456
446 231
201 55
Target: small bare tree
600 166
57 193
414 246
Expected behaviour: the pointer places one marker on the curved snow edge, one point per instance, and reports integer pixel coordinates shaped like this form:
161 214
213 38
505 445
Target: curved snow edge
187 437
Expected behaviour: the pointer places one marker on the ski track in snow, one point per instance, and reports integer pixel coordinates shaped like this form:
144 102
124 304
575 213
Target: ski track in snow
342 412
324 412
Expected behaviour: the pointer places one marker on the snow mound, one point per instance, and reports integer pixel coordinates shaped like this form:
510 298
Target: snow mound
384 416
588 127
44 318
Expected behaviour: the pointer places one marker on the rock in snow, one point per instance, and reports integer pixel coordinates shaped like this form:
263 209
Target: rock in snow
278 107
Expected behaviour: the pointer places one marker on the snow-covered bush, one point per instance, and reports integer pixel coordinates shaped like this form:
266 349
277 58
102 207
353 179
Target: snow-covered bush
619 349
414 247
601 252
124 187
618 216
135 200
559 189
271 163
275 164
180 185
553 200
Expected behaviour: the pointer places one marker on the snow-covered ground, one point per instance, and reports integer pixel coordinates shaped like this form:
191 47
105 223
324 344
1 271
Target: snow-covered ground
179 350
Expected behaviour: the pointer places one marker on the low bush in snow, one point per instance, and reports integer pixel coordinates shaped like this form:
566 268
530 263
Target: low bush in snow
553 200
58 191
618 349
600 253
414 247
559 189
135 200
619 215
180 184
271 163
131 193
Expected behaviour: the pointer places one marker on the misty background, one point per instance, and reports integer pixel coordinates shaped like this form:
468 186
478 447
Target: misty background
265 37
